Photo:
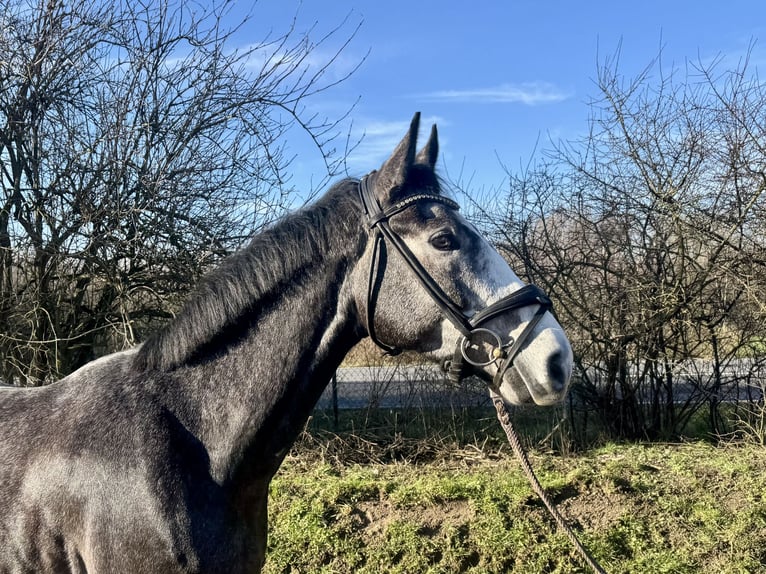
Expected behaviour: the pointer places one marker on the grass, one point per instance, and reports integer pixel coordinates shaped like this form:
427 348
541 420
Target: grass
679 508
419 434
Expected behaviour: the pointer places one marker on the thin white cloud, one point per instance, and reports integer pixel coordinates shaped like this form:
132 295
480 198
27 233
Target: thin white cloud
530 94
331 64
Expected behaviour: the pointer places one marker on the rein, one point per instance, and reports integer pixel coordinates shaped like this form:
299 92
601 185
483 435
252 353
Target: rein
513 439
478 346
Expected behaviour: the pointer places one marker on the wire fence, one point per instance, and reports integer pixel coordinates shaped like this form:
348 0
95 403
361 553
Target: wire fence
399 386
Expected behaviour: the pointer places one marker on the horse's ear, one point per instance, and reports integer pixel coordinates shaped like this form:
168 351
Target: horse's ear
393 172
429 154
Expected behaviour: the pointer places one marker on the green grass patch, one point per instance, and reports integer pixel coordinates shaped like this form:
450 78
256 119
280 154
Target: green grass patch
643 509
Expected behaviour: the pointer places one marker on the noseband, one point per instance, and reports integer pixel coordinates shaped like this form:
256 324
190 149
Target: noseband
478 346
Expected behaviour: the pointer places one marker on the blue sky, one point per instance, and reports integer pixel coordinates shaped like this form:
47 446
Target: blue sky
501 79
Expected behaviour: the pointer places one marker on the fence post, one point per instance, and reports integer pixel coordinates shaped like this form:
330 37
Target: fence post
334 382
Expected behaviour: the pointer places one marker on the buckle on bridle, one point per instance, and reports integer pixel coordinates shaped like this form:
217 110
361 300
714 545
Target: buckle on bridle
482 347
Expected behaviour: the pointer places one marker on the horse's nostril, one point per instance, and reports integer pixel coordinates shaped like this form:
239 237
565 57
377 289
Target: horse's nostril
558 375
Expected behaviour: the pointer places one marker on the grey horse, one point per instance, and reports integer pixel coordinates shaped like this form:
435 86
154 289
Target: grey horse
158 459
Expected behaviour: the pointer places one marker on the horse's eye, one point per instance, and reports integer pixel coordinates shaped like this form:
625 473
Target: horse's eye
444 241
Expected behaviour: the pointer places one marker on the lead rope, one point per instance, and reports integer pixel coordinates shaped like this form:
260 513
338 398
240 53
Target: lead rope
513 438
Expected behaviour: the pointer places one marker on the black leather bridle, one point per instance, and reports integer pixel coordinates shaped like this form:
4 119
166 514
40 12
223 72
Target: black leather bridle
478 346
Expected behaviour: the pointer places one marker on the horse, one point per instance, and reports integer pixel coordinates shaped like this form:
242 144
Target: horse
157 459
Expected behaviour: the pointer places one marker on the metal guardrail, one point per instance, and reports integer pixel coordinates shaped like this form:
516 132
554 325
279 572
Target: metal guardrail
426 386
419 386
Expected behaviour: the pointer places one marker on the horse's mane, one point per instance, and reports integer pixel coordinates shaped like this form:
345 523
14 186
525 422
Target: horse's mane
233 289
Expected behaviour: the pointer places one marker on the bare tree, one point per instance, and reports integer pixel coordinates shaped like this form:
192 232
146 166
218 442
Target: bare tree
136 147
648 233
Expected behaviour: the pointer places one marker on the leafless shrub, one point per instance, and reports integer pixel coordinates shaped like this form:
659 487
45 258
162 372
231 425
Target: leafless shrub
137 147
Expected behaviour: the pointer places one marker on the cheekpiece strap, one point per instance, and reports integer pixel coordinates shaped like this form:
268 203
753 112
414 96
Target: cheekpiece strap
377 220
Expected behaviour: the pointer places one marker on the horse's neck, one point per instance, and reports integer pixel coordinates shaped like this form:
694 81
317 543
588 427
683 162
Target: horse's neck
251 401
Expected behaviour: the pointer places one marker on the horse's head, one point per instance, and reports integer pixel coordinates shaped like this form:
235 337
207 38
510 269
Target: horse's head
428 281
